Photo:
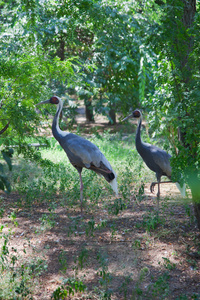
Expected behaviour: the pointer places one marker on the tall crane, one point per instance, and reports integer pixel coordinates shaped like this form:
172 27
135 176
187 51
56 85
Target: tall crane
155 158
81 152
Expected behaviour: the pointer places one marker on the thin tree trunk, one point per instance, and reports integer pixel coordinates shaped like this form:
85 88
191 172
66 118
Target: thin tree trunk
61 49
89 110
112 116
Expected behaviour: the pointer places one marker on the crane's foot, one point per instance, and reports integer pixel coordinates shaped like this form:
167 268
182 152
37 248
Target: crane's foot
152 186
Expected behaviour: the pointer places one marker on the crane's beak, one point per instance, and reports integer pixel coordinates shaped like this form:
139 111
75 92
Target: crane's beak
43 102
130 116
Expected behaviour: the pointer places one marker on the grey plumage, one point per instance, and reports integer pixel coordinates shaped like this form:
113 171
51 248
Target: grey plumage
81 152
155 158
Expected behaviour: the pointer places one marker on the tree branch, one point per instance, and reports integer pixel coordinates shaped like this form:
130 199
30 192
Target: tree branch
5 128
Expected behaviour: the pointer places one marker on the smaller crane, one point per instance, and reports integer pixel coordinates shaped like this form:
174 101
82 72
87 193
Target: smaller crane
81 152
155 158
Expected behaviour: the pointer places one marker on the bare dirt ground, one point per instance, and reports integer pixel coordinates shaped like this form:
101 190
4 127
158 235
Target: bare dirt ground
168 253
138 260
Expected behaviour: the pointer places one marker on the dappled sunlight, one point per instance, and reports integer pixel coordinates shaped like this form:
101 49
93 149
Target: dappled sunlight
135 250
120 246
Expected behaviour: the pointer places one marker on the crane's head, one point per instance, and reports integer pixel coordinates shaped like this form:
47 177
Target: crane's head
52 100
135 114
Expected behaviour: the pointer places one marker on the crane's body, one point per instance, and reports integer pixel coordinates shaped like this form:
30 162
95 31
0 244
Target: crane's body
84 154
155 158
159 160
81 152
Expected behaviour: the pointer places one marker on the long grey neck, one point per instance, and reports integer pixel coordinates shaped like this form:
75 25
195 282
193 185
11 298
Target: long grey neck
57 132
138 141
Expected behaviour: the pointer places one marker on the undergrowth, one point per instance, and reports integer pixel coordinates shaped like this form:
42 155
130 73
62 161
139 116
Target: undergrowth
48 198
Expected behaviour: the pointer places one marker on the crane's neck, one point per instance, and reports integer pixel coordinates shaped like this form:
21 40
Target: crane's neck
138 141
57 132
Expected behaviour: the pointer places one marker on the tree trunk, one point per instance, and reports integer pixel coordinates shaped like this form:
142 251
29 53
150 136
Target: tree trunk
89 110
112 116
61 49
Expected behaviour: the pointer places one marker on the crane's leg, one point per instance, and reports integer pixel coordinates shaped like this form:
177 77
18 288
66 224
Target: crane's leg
81 193
158 196
157 182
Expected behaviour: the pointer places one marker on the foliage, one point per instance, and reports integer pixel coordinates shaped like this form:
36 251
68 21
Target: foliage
16 274
68 288
161 286
28 74
151 222
112 73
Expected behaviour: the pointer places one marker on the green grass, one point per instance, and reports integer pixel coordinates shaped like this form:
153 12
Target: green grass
31 178
123 158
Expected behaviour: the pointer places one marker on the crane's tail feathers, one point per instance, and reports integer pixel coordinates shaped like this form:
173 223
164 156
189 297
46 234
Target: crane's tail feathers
113 184
181 189
108 173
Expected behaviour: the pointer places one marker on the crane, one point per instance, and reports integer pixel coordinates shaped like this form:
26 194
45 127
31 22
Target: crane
81 152
155 158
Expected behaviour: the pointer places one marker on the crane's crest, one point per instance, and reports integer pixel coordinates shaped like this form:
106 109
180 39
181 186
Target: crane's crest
54 100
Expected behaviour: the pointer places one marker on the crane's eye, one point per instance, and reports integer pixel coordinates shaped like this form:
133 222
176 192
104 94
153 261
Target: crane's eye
54 100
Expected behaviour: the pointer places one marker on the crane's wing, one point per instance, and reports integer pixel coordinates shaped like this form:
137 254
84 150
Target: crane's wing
156 159
162 159
86 151
83 153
